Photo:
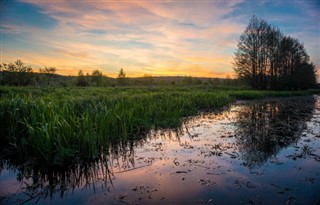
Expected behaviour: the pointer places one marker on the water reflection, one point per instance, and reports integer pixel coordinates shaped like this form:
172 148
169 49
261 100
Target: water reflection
38 182
263 128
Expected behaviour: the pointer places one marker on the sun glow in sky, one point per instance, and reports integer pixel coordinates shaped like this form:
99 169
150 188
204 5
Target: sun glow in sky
158 38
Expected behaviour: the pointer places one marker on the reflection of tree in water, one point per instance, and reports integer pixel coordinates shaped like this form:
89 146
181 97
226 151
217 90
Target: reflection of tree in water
264 128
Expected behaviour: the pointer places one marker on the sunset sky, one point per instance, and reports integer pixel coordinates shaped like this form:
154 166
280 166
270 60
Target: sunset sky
158 38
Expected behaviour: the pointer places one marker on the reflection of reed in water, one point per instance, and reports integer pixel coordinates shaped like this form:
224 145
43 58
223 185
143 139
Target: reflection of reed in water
264 128
39 181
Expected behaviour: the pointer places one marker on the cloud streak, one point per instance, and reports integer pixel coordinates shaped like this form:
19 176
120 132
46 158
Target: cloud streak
156 37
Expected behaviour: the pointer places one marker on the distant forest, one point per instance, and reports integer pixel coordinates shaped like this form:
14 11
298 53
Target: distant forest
19 74
269 60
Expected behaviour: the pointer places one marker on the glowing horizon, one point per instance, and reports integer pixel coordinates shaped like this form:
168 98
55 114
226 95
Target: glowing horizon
158 38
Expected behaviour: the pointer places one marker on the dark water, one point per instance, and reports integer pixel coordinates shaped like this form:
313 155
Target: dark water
255 152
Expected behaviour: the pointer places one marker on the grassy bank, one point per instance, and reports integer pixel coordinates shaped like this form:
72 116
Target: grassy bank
57 125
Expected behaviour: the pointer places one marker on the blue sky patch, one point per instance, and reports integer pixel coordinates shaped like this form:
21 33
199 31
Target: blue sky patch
19 13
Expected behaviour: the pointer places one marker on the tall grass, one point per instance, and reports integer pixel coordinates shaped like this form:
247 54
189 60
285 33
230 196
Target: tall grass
58 126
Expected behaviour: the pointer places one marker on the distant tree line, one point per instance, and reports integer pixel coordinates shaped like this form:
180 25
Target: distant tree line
19 74
16 74
95 79
267 59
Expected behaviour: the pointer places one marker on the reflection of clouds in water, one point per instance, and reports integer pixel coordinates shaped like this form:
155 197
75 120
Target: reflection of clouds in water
9 183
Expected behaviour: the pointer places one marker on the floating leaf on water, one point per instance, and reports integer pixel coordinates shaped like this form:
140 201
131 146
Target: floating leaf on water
176 162
181 172
212 173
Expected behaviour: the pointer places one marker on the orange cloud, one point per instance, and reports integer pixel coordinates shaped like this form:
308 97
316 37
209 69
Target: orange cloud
318 73
137 35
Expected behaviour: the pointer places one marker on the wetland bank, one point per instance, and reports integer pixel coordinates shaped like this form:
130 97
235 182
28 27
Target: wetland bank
248 152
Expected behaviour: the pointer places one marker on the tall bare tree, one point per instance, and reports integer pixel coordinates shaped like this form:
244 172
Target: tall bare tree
268 60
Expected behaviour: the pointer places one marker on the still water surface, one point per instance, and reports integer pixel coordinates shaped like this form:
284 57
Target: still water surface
253 152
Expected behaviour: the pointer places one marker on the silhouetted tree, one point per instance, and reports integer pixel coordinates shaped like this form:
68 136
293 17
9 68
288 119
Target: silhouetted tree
121 80
48 71
292 58
255 56
268 60
17 74
305 76
82 79
96 77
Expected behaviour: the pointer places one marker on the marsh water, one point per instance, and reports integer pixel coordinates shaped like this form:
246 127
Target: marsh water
252 152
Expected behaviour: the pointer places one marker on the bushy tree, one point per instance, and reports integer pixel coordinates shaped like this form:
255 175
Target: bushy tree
267 59
97 77
82 79
121 80
48 73
305 76
17 74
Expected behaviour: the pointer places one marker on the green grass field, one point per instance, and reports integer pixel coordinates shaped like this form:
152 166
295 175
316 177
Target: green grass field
58 125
